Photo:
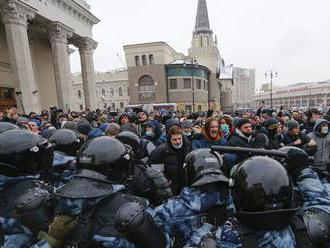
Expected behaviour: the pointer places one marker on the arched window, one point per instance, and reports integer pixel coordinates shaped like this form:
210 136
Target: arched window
120 91
151 59
137 60
146 89
111 91
144 60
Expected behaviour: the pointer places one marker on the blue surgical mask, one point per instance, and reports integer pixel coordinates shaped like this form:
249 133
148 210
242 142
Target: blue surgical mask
150 133
224 128
324 130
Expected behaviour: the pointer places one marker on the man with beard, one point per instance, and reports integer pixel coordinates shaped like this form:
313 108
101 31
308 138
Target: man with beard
241 138
172 154
210 136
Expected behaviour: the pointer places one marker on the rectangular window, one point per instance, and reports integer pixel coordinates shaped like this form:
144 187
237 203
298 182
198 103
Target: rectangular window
137 60
81 107
187 83
79 94
199 84
121 105
204 85
151 59
173 84
187 108
144 60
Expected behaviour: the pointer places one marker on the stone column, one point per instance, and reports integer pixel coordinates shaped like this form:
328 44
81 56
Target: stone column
58 37
15 18
86 49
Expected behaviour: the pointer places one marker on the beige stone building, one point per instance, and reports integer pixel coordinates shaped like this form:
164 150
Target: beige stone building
111 90
297 96
34 54
243 88
226 87
159 74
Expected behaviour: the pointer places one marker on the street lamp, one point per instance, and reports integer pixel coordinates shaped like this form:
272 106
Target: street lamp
271 75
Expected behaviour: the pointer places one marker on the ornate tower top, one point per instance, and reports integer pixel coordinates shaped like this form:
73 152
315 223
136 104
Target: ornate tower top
202 19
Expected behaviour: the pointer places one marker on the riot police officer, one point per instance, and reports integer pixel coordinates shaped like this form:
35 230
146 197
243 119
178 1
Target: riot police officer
147 181
26 202
266 213
94 209
205 194
4 126
66 143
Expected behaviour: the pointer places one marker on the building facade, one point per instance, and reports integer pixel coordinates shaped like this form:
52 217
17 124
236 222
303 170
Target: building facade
226 87
204 51
34 55
243 88
111 90
159 74
298 96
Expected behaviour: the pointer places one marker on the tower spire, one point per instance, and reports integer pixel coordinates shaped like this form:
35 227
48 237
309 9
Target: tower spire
202 18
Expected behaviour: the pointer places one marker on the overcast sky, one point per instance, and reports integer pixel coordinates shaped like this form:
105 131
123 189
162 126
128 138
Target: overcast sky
290 36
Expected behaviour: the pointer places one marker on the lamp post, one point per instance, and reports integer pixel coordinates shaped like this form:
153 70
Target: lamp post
271 75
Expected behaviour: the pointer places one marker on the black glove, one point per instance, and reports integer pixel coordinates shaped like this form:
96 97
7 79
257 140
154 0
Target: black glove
297 161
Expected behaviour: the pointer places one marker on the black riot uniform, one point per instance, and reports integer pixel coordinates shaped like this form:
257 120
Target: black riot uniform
147 181
24 156
96 200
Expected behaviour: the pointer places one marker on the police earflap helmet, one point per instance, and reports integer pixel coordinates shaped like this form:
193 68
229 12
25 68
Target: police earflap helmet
263 194
24 153
107 156
67 141
286 150
131 139
203 166
5 126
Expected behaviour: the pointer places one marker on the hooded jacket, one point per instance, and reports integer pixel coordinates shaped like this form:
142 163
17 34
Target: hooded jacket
321 156
155 125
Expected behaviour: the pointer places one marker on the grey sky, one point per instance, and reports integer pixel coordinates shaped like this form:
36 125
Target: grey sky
290 36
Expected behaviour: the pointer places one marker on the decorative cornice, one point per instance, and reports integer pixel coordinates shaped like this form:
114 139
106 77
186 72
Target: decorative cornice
15 12
59 33
85 44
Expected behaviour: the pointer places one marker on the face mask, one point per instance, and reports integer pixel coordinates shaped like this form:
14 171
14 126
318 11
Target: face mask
324 130
178 146
224 128
186 133
150 133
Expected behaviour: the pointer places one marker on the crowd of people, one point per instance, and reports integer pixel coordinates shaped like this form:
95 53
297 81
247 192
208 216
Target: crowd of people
161 179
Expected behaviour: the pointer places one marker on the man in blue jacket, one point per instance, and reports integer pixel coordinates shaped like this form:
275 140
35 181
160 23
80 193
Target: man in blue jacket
210 136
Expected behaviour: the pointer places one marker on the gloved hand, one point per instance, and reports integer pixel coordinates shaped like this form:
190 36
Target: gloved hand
297 161
59 230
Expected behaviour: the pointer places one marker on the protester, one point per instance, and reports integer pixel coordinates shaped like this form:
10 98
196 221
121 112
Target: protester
210 135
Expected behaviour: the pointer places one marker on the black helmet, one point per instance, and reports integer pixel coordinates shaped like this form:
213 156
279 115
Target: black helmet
130 139
23 153
67 141
203 166
263 194
5 126
107 156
